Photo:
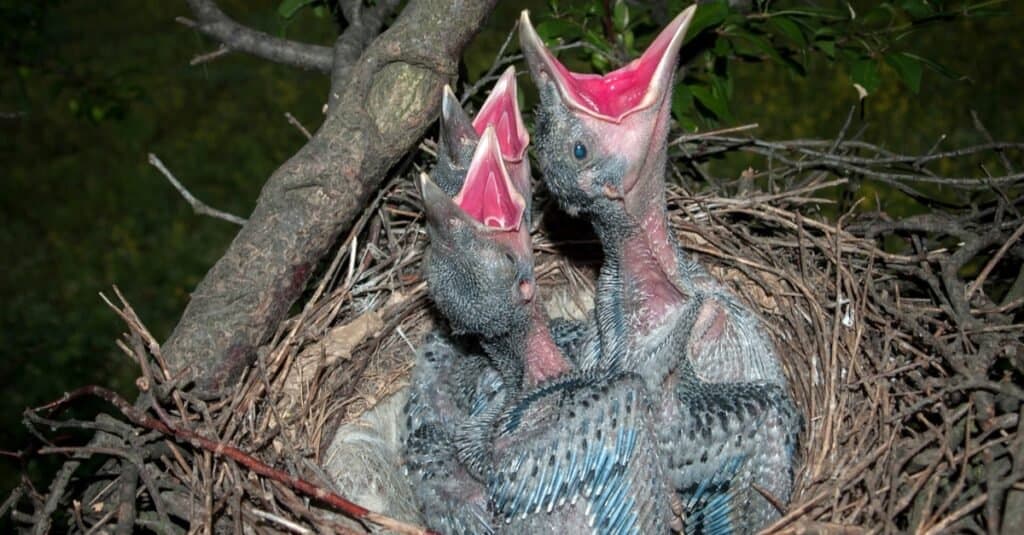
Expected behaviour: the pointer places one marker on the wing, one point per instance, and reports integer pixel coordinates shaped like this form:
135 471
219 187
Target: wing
448 386
577 455
704 427
709 510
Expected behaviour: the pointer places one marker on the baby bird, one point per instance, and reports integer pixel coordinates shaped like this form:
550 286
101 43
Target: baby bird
563 449
450 384
724 417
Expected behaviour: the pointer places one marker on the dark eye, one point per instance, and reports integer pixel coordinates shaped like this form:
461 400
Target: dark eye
579 151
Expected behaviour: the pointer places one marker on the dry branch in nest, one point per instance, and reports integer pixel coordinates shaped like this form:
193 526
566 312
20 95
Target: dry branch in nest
906 366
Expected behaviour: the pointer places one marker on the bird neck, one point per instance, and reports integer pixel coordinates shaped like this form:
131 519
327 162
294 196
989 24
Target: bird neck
526 355
544 361
640 282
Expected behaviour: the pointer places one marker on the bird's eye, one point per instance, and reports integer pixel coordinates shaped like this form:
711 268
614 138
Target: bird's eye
579 151
511 259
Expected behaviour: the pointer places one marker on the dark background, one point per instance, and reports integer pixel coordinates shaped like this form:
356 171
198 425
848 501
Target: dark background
90 87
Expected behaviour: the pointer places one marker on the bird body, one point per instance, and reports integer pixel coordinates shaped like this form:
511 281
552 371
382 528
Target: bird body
577 455
450 386
723 417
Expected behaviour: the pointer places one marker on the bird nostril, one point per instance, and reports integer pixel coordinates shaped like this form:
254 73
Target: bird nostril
612 192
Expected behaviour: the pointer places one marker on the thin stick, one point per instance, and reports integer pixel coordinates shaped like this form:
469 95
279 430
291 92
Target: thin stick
295 122
222 50
287 524
494 66
198 206
976 283
701 135
958 514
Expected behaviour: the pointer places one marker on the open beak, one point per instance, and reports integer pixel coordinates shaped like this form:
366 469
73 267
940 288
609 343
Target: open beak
613 96
488 194
488 200
489 203
501 109
459 134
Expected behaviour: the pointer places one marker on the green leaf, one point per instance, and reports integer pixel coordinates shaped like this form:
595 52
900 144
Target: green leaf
288 8
880 15
722 85
828 47
935 66
620 15
682 107
629 41
758 43
918 9
816 12
908 68
826 32
712 100
707 16
865 74
551 29
723 48
789 29
825 40
598 40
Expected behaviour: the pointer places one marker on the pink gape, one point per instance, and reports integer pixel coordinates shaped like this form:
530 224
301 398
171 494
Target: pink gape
502 110
633 87
488 195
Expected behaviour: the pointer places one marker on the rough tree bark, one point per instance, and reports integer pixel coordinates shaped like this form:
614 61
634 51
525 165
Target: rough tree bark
381 102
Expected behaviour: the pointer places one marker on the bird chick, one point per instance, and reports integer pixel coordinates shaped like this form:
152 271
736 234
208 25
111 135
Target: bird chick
569 449
602 148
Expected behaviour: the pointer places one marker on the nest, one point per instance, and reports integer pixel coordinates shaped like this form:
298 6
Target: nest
906 370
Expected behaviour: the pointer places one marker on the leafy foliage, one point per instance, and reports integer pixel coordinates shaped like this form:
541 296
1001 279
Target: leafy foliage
33 49
783 33
81 208
287 9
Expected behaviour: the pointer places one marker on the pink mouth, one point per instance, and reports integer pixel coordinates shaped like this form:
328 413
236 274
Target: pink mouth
488 195
501 109
621 92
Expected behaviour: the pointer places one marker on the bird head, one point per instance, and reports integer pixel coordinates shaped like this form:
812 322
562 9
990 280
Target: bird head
479 266
601 138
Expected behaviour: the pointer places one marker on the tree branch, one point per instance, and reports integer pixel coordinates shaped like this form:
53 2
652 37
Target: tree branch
363 27
380 106
216 24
